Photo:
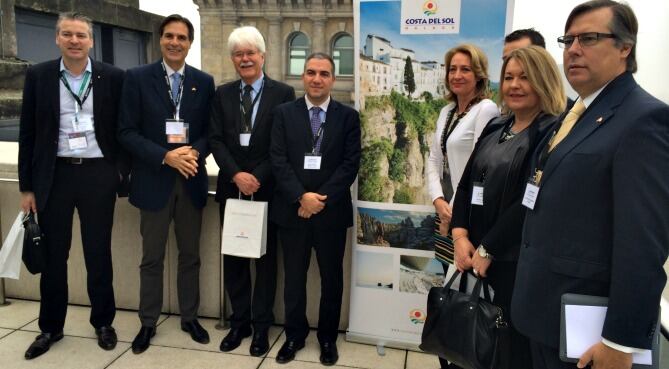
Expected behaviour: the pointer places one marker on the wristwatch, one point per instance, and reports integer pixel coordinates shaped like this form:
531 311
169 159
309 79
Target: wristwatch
484 253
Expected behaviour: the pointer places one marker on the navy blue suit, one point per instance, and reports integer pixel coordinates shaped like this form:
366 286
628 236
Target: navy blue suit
600 225
145 105
160 192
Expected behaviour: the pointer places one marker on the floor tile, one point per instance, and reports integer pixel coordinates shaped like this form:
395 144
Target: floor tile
18 313
77 323
296 364
421 360
178 358
70 353
350 354
169 334
4 332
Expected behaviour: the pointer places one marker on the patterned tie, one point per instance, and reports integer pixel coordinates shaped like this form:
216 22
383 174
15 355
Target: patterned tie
316 124
176 79
247 104
567 124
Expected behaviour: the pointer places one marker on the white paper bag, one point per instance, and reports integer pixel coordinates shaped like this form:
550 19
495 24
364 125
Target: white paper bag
244 232
12 248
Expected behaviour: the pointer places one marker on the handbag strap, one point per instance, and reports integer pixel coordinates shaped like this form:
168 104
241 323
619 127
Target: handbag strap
476 293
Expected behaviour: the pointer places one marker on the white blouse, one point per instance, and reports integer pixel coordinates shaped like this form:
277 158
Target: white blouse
459 145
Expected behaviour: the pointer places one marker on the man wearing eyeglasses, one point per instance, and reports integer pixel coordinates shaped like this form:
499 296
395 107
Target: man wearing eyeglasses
599 222
239 136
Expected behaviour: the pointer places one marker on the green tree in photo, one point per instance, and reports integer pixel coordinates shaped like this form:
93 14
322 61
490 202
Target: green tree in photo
409 82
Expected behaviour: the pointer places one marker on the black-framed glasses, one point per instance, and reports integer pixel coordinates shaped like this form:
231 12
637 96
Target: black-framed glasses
584 39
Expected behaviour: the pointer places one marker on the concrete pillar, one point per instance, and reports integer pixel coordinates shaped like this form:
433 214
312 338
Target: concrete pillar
273 45
228 24
8 30
318 35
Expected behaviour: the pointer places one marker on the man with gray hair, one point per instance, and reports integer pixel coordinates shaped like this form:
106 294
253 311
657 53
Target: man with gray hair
597 221
69 158
239 136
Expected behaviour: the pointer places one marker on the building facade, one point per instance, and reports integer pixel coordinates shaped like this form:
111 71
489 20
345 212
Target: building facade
292 30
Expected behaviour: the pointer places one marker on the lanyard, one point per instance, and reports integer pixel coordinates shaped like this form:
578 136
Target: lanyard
175 104
253 103
86 83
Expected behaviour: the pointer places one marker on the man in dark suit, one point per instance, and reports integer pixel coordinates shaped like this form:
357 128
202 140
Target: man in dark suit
600 222
239 136
163 123
315 155
69 158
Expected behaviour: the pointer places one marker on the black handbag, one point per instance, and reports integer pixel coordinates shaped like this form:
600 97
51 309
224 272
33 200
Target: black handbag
34 249
467 330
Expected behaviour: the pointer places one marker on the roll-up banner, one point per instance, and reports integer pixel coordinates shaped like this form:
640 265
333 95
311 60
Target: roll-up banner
400 89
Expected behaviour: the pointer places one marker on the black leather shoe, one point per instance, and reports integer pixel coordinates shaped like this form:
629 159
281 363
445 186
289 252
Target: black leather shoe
260 343
329 354
106 337
288 350
197 333
234 338
42 344
143 339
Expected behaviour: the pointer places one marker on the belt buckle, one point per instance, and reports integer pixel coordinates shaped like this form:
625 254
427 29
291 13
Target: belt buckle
77 161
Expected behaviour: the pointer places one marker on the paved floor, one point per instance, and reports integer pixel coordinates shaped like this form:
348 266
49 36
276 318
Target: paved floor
171 348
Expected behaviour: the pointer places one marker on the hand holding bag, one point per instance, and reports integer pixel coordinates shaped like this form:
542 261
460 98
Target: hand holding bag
34 247
466 330
244 232
10 254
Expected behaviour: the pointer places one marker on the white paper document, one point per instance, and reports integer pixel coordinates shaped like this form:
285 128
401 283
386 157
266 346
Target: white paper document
583 328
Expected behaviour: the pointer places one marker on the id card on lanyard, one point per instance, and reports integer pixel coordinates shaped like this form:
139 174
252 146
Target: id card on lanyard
312 160
80 125
176 130
247 117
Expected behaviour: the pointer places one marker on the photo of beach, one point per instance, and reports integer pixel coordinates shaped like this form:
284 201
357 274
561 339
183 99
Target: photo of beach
375 270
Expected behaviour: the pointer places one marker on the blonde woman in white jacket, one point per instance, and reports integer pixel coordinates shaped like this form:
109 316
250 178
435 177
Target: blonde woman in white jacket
458 127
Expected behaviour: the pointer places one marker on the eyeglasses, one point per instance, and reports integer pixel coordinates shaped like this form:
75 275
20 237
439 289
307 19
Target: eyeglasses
584 39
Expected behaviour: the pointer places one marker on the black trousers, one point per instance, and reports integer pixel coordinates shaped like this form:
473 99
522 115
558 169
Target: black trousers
545 357
91 189
252 308
329 245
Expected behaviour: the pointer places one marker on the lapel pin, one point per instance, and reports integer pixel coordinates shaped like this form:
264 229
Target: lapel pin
194 89
600 120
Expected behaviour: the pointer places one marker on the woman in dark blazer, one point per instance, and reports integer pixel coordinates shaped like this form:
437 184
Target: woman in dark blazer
488 214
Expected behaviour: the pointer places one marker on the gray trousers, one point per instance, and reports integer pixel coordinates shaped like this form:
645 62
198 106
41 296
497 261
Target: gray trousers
154 227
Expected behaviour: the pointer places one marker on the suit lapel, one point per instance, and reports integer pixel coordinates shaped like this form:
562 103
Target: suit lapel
99 96
54 85
331 117
160 86
303 121
597 114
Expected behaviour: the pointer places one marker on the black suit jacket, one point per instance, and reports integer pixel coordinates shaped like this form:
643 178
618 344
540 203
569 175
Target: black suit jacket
40 123
145 105
600 225
340 148
225 127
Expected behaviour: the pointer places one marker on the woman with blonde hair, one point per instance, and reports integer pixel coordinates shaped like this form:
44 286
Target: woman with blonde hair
487 228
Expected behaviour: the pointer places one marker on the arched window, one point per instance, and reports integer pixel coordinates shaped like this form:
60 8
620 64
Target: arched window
342 53
298 48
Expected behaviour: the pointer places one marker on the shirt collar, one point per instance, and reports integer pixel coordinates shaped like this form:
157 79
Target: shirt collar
88 69
171 71
323 106
589 99
256 84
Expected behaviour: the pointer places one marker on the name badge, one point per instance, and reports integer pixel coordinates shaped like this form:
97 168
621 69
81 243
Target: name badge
531 194
244 139
176 131
77 141
477 194
312 161
82 125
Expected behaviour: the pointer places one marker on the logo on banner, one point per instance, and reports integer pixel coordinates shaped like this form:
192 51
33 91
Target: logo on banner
417 316
430 8
433 17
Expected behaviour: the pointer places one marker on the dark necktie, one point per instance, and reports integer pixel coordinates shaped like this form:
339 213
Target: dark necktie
247 104
316 124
